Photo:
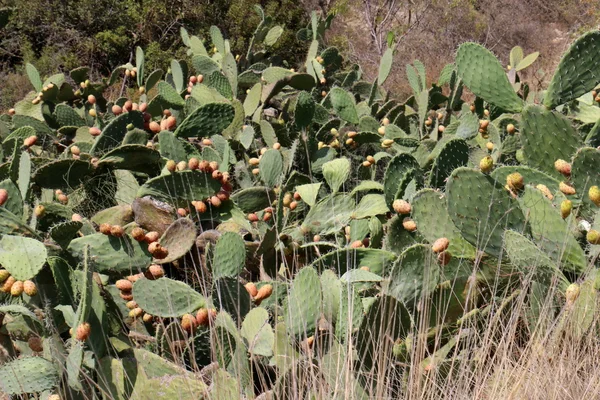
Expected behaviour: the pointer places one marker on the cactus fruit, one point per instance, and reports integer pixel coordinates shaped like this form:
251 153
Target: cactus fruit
566 188
151 237
156 271
409 224
124 285
515 181
29 288
83 332
594 195
8 283
572 293
440 245
563 167
510 129
3 196
4 274
138 234
444 258
401 206
565 208
188 323
17 288
486 164
593 236
544 189
117 231
251 288
30 141
263 293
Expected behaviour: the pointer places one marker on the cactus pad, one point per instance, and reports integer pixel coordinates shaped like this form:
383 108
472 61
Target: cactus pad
206 121
551 231
484 76
180 188
429 210
577 73
22 257
179 238
28 375
481 209
304 303
165 297
402 169
547 136
111 254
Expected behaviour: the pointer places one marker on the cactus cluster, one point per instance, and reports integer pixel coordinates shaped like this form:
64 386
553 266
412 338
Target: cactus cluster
247 220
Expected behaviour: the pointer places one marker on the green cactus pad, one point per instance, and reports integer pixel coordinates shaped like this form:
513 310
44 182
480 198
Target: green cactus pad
65 232
178 239
63 174
331 289
258 332
551 231
219 82
429 210
112 255
165 297
577 73
28 375
350 312
181 187
67 116
530 176
254 198
304 302
206 121
344 105
454 154
10 224
402 169
483 75
385 321
113 134
547 136
172 148
231 296
530 259
271 168
585 173
117 215
169 97
415 275
305 110
22 257
336 173
481 209
378 261
229 256
14 202
133 157
329 215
